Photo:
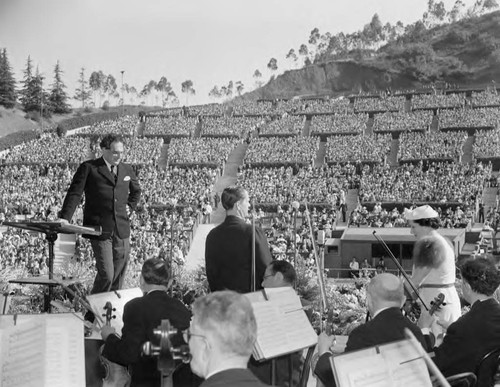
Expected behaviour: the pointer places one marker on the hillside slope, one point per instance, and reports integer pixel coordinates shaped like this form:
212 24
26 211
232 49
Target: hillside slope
466 53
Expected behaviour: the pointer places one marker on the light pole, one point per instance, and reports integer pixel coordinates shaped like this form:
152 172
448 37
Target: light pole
123 96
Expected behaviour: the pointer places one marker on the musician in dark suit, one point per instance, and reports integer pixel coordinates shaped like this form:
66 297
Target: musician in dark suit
384 299
140 316
228 249
477 332
221 337
112 191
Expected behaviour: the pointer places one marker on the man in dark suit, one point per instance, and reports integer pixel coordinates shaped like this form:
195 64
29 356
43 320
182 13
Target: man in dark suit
112 191
228 248
477 332
140 316
384 299
221 337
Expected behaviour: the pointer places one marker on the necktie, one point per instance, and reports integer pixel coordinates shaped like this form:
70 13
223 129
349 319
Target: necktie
113 172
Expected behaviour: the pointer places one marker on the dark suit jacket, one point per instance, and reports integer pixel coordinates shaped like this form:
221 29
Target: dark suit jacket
233 377
228 255
105 200
469 338
387 326
140 316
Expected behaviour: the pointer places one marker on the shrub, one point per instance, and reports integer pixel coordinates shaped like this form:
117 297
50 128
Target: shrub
105 106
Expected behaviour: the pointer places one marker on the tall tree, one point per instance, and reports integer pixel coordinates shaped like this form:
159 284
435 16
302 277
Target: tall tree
304 51
164 87
187 88
82 93
96 84
272 65
292 57
8 94
110 86
26 93
239 87
39 98
58 97
257 75
214 93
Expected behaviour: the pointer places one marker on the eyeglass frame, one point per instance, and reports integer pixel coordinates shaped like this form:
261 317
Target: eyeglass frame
186 335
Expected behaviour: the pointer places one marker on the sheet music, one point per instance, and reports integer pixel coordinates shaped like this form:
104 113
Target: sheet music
118 300
22 355
43 350
283 309
394 365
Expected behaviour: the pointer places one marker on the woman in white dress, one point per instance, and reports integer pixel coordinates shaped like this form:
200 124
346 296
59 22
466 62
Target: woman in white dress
434 267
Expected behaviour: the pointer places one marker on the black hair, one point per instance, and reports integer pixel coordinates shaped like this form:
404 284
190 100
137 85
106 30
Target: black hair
108 139
155 272
231 195
481 274
284 268
428 222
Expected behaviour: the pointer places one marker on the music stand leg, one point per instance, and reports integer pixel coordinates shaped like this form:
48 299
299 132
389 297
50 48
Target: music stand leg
51 238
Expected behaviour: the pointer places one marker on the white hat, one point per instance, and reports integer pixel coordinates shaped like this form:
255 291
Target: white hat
422 212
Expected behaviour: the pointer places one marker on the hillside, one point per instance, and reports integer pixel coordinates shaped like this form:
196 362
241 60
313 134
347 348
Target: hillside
466 53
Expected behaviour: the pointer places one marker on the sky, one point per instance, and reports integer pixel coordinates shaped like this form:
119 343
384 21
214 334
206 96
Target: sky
210 42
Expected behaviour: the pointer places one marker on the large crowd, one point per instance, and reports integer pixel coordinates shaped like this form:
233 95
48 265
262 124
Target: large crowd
383 103
229 126
471 118
170 125
486 98
282 185
437 182
424 101
402 121
486 144
339 123
282 150
340 149
50 149
125 125
286 125
200 150
431 145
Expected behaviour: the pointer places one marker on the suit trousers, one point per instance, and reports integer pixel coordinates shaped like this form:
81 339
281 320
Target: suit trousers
111 256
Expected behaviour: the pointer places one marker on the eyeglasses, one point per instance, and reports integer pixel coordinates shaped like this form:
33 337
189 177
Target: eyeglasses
186 335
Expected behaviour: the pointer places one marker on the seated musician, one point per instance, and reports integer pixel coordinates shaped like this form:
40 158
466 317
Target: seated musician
280 274
384 299
221 338
140 316
477 332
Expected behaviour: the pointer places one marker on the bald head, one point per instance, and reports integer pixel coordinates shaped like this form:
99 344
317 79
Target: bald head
385 291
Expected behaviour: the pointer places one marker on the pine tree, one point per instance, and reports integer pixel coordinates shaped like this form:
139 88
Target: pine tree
39 99
82 93
26 93
8 94
58 97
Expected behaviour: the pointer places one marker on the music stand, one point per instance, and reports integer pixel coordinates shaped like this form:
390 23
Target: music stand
50 229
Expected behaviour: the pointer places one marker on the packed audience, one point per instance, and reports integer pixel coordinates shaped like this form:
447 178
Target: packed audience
50 149
229 126
143 150
170 125
200 150
211 109
282 150
422 101
339 123
283 185
401 121
285 125
486 98
437 182
431 145
338 105
379 216
486 144
124 125
470 118
242 107
357 148
384 103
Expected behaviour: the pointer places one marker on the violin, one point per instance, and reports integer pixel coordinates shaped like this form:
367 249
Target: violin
116 375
